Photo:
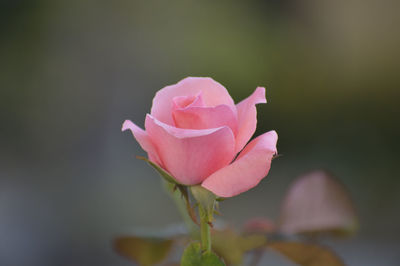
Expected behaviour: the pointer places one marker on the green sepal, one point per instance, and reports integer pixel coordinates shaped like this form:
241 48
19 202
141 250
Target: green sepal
193 256
184 194
173 185
206 199
161 171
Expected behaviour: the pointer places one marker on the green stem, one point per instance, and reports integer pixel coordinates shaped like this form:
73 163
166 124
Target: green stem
204 229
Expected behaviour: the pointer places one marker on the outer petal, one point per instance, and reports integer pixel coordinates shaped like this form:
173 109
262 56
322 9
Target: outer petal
191 155
247 117
247 170
206 117
213 94
143 138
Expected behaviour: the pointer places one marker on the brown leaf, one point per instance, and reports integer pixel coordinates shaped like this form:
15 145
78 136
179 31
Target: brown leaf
231 246
317 203
145 251
307 254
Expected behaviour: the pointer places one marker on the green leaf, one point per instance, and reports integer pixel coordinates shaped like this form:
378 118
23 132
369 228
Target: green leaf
307 254
317 203
232 246
193 256
161 171
145 251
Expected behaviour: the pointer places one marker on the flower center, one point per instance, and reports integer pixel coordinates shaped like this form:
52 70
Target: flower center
182 102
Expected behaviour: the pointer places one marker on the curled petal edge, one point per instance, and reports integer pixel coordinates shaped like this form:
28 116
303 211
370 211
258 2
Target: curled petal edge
250 167
247 117
143 139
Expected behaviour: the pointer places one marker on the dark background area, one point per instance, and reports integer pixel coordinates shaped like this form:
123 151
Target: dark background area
73 71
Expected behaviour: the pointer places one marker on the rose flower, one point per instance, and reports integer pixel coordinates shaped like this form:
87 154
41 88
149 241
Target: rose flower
195 131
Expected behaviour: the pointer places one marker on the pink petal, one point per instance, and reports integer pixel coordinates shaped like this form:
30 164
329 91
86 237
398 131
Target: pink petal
191 155
213 94
206 117
247 117
188 101
252 165
143 138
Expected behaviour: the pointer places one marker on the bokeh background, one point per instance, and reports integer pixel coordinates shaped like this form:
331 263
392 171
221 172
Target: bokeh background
73 71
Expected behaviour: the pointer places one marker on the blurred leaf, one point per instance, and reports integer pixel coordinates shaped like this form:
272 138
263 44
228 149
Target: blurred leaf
307 254
161 171
193 256
231 246
145 251
317 203
259 225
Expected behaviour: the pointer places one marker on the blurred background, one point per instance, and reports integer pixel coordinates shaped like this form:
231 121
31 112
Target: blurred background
73 71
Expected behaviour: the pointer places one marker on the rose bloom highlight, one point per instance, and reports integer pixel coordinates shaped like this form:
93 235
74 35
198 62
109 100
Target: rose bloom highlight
195 131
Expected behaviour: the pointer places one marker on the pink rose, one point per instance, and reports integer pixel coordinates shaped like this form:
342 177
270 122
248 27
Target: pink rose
195 131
